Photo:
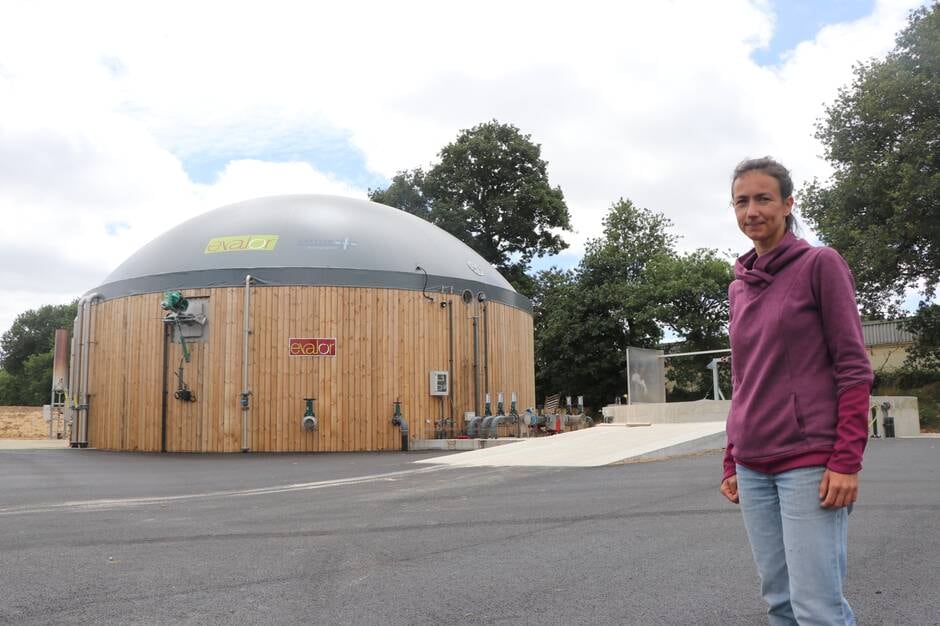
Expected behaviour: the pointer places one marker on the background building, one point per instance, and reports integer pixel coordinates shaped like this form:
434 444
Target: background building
886 344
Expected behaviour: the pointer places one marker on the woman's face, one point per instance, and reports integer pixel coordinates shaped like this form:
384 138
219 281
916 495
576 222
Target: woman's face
761 212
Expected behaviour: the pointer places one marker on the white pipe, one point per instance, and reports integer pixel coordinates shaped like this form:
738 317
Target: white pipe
246 392
70 412
84 377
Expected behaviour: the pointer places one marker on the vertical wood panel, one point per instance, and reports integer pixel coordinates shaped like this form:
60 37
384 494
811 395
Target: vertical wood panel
387 342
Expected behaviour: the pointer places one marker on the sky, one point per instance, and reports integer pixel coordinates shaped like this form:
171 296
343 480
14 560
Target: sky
120 120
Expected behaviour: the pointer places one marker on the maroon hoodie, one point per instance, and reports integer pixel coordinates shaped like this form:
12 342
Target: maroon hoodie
800 373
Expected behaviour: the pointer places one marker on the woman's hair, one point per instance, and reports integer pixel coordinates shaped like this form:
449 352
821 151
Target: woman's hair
775 169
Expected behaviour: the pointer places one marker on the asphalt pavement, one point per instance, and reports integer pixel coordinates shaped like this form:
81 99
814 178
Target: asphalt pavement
89 536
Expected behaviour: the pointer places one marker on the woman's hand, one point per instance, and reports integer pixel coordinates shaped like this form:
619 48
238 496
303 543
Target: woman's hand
729 488
837 490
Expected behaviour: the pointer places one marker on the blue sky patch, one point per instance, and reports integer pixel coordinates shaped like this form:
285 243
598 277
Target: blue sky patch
801 20
328 150
114 66
114 228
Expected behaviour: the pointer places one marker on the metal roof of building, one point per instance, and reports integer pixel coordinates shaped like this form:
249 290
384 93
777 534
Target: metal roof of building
308 240
885 332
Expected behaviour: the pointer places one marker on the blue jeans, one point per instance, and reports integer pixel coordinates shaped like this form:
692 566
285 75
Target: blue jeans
798 546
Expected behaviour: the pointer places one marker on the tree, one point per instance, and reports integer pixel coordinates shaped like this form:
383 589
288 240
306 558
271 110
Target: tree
881 209
26 353
615 270
405 193
33 332
585 319
925 325
32 386
629 287
557 313
489 189
693 297
694 291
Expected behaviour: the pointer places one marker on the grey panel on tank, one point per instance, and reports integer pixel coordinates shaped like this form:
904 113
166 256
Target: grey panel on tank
350 241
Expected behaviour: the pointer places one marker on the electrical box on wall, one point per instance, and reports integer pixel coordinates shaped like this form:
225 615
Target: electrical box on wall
193 320
440 383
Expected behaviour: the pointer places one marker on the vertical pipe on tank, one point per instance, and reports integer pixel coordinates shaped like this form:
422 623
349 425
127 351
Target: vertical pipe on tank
167 330
450 366
486 343
246 392
84 375
75 366
476 370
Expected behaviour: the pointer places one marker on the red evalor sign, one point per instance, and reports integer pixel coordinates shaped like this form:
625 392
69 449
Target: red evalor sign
312 347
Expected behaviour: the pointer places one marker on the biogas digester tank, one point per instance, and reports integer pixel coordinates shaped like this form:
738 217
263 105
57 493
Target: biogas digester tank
348 302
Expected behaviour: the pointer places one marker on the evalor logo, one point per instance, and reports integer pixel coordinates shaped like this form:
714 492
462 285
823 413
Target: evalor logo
297 346
242 243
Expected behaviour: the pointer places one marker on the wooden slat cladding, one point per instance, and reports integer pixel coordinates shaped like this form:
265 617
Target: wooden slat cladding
387 342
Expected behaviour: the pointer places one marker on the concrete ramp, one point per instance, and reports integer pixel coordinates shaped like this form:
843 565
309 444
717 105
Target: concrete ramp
603 444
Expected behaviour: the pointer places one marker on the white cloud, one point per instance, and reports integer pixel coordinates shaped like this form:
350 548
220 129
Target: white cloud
651 101
246 179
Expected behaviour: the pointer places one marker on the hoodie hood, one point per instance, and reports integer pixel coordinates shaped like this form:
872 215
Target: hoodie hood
759 270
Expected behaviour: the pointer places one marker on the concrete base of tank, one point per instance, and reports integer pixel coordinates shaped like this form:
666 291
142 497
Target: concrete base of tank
460 445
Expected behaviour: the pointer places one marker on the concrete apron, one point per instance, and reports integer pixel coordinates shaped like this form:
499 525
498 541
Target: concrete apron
459 444
604 444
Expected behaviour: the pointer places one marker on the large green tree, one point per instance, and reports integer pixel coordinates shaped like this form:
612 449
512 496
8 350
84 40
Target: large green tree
925 325
33 332
881 209
630 286
26 354
692 291
489 189
404 192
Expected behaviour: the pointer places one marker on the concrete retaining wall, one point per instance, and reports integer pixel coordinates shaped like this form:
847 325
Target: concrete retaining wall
669 412
903 409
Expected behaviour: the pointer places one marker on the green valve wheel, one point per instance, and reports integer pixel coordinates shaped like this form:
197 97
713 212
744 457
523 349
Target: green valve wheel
174 301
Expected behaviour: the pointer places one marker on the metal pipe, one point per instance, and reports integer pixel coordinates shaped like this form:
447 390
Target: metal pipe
74 376
51 408
167 331
486 345
669 356
85 377
404 435
246 392
450 346
629 394
476 370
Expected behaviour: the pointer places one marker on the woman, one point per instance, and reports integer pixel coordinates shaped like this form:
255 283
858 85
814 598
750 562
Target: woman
798 421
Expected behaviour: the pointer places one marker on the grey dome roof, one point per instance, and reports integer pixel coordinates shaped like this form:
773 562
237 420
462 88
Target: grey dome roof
308 240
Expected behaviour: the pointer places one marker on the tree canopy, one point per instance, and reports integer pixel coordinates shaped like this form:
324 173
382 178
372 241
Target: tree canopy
881 209
33 332
26 354
630 286
489 189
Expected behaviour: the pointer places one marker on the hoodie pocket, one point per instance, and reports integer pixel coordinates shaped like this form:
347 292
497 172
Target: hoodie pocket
769 430
798 415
